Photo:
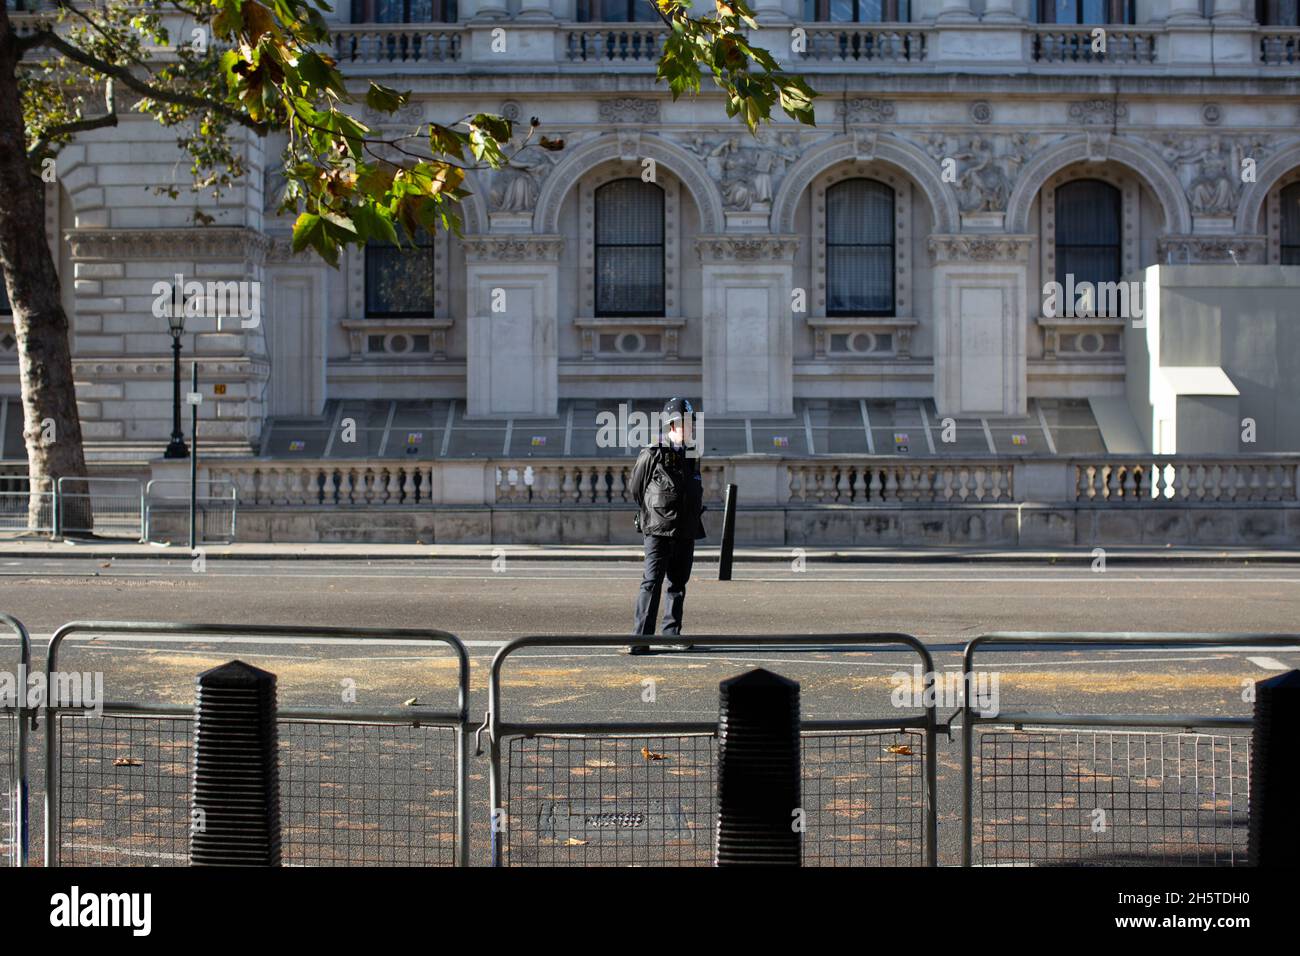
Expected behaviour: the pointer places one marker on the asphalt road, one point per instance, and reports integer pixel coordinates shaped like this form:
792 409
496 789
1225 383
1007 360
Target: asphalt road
943 605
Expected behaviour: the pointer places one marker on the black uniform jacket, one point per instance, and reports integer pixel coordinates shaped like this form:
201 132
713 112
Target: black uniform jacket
667 489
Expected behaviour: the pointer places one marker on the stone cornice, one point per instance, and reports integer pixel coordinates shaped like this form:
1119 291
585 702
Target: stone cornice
746 248
974 247
203 242
520 248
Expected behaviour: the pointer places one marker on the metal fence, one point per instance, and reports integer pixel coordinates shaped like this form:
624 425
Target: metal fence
643 793
1052 789
107 507
14 721
216 506
16 499
358 787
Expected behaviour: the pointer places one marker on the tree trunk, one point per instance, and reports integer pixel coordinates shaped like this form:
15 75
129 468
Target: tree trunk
51 425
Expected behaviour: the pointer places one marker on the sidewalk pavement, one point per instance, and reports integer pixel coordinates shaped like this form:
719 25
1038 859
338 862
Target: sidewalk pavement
19 548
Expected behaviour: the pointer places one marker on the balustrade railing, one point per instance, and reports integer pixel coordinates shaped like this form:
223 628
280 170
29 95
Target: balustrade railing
865 481
1158 480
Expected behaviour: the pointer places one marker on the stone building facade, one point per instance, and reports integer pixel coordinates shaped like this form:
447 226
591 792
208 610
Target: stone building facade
895 252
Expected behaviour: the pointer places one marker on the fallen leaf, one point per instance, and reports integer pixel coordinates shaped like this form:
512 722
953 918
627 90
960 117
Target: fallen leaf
574 842
413 702
651 755
127 762
901 750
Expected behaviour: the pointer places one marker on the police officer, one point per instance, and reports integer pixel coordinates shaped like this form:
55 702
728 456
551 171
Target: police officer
670 499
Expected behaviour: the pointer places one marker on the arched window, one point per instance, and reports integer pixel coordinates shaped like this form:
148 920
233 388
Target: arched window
857 11
629 249
1291 225
400 279
1085 11
859 248
1088 238
404 11
617 11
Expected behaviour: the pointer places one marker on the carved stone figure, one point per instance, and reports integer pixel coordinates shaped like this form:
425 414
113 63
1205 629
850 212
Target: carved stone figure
984 178
1211 167
515 187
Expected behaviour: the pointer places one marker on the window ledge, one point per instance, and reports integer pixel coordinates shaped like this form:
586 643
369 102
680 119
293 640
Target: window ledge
397 332
824 326
666 329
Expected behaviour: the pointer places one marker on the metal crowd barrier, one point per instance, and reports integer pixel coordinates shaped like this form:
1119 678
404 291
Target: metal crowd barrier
15 505
643 792
1118 789
217 511
358 787
109 507
14 720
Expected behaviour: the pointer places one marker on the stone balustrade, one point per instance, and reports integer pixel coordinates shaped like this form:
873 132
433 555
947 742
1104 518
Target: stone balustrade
899 43
1157 480
398 43
869 481
1074 45
858 481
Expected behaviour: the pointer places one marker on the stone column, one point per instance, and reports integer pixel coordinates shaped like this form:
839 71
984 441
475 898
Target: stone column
1233 11
536 10
955 11
1000 11
1184 11
483 10
748 337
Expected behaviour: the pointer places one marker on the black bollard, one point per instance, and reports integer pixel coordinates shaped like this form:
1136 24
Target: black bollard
1274 838
728 535
758 771
235 795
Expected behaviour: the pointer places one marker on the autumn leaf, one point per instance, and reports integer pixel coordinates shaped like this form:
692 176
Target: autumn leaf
649 754
128 762
901 750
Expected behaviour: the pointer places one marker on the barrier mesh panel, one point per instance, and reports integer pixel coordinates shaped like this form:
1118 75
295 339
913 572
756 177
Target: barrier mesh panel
589 800
351 793
1111 798
9 835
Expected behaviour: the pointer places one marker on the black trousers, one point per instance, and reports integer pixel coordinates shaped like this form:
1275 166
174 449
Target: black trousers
669 558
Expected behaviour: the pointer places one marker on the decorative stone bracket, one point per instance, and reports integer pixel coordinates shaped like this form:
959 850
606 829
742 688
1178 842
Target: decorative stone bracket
398 338
631 336
862 336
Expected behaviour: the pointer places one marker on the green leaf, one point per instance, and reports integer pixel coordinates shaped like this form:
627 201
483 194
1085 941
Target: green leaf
385 99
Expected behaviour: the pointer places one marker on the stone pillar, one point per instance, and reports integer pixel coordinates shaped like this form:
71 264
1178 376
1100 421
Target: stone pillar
1233 11
1000 11
536 10
1183 11
512 300
980 314
748 337
483 10
955 11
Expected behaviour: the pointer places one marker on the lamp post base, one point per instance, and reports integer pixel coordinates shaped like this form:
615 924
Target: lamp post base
177 448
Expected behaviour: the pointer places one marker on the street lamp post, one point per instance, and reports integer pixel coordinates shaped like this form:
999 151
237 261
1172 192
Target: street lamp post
176 324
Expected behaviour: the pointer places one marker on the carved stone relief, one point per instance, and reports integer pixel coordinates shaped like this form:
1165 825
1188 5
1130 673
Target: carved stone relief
986 166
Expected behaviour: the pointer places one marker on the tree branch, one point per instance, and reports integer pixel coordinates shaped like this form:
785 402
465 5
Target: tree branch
50 39
42 145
